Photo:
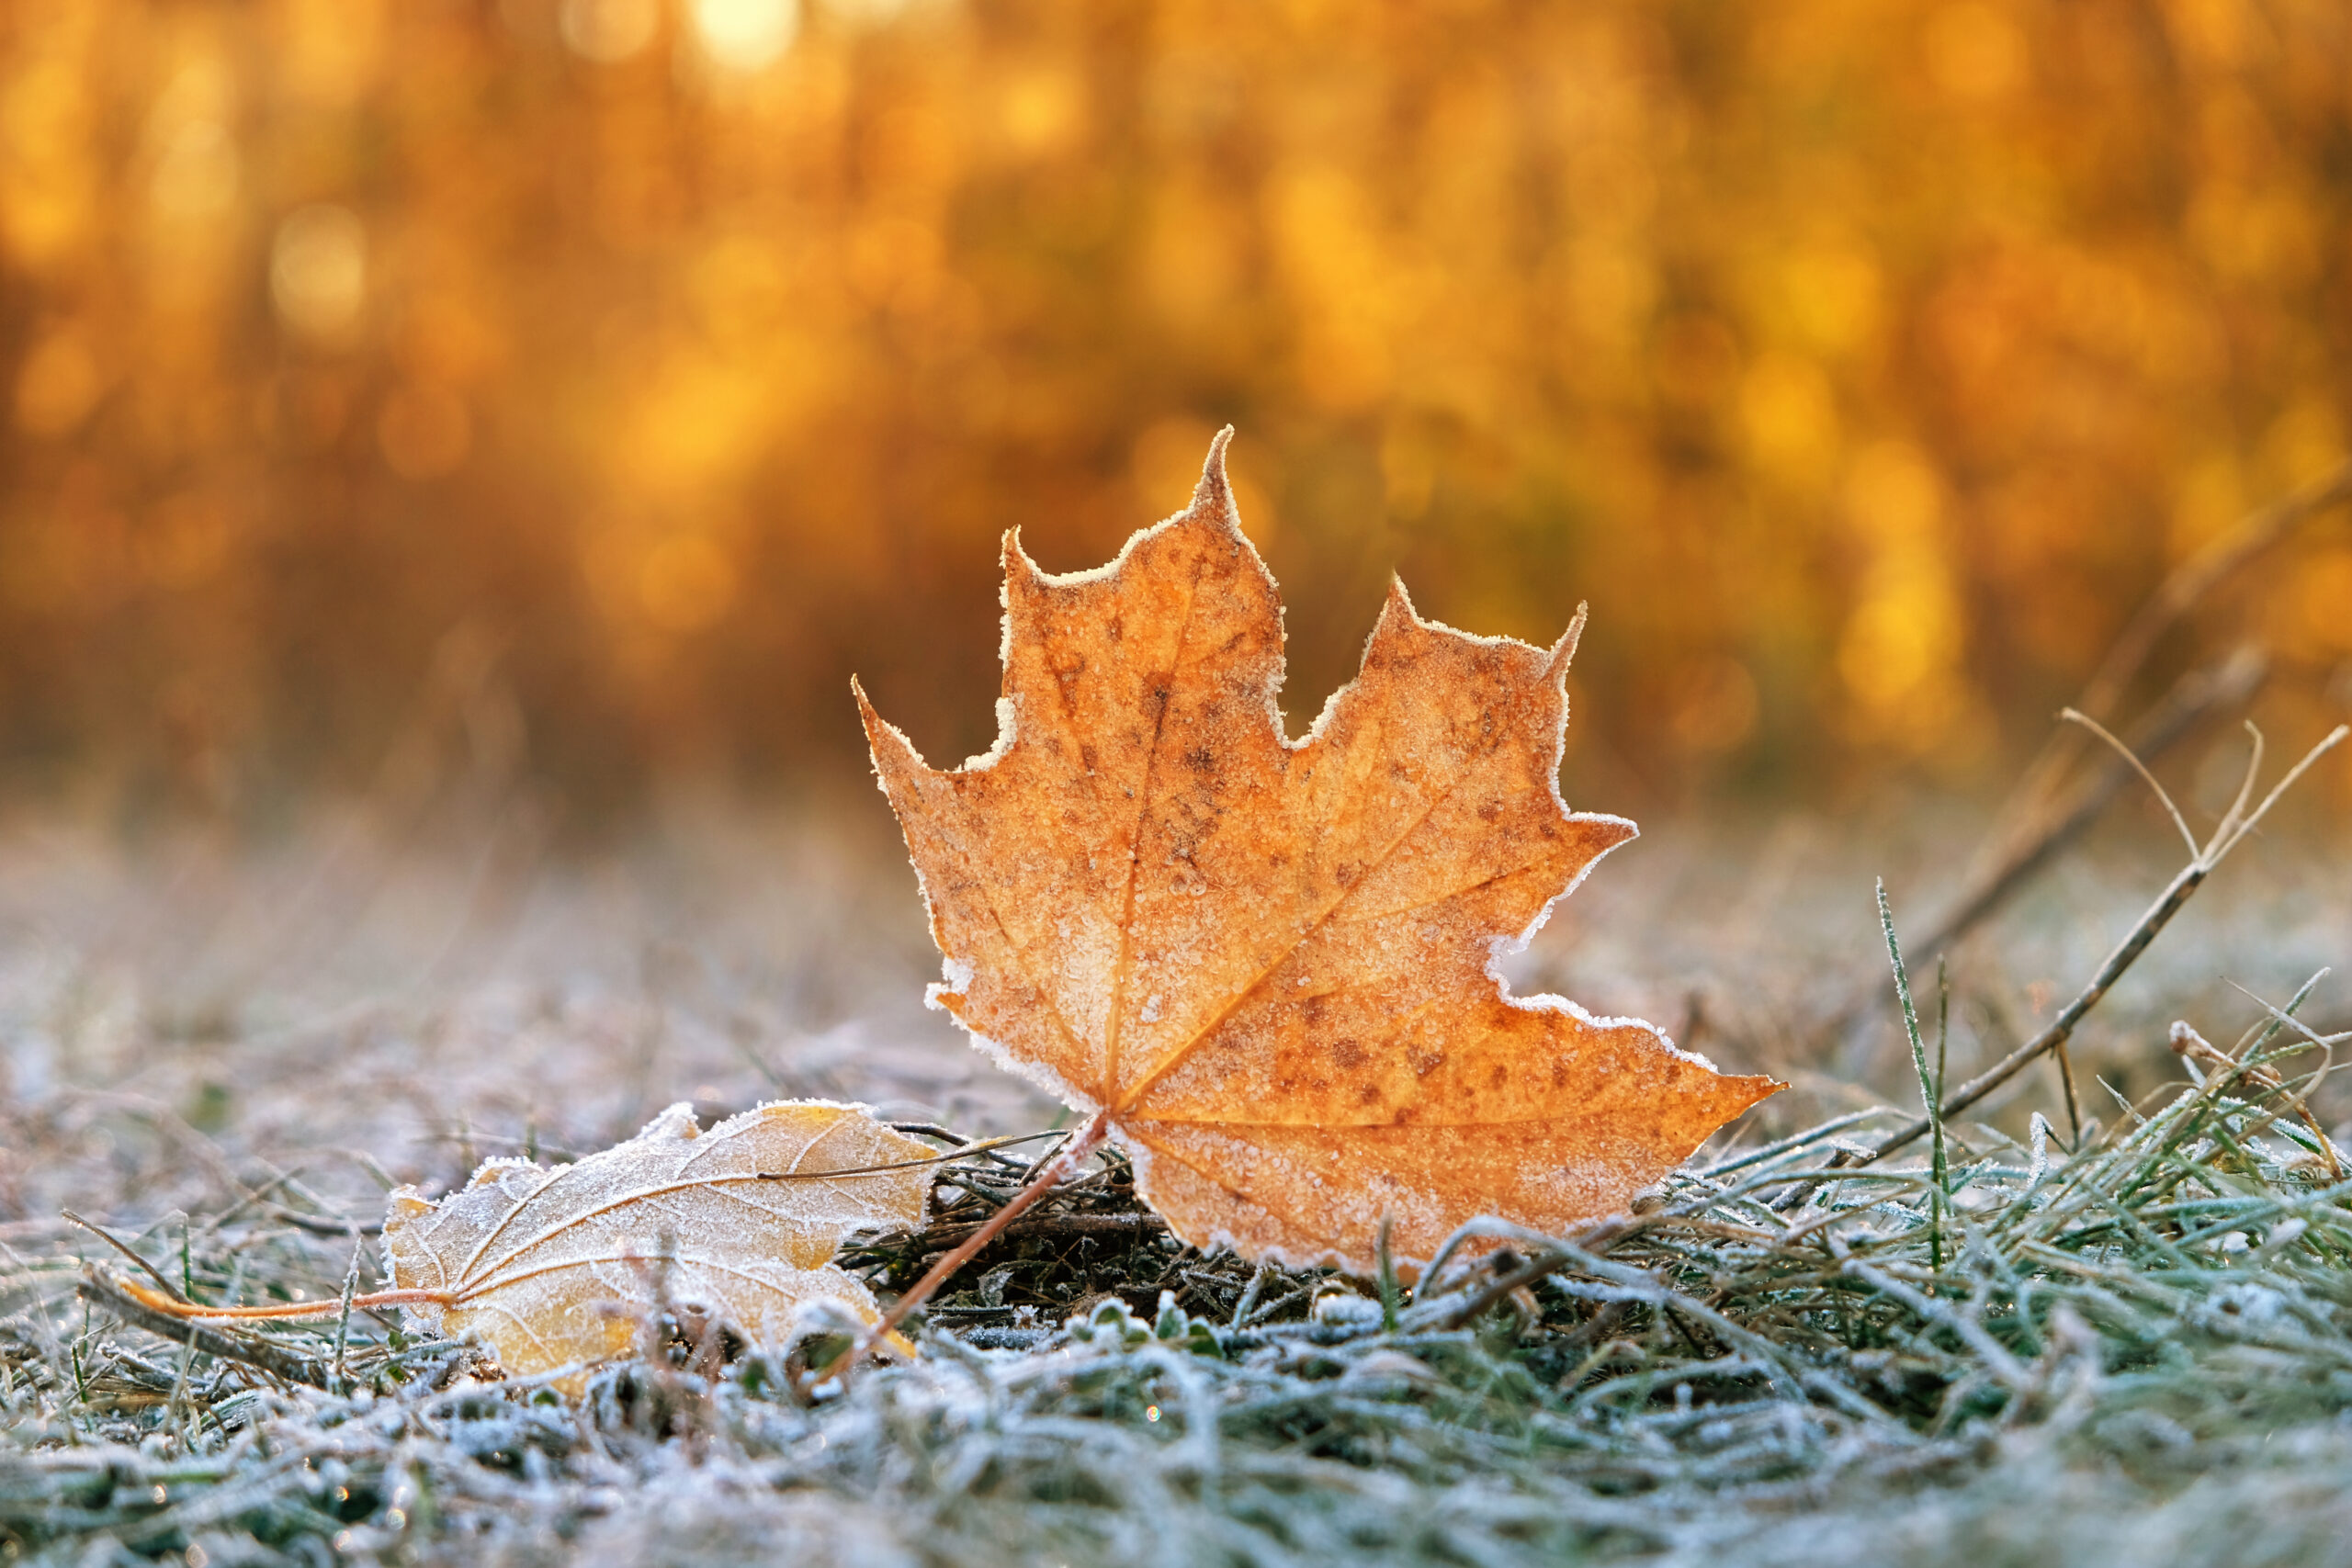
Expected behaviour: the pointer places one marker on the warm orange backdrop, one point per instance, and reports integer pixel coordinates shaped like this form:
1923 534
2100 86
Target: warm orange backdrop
621 374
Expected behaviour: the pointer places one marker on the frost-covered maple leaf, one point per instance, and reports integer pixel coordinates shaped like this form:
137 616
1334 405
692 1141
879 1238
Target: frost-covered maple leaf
554 1267
1269 966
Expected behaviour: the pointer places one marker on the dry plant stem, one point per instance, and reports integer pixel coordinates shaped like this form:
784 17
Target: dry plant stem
939 1273
2188 582
2062 1028
317 1224
2073 1101
2284 1018
133 1305
2051 1039
2197 696
2075 716
2234 828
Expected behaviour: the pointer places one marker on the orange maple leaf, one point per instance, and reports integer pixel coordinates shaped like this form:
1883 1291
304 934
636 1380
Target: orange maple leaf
1268 966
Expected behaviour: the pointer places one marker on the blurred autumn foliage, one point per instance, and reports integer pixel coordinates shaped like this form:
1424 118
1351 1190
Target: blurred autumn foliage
612 378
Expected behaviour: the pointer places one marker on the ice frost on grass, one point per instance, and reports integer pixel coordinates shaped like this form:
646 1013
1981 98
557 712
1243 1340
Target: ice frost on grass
2169 1307
2091 1341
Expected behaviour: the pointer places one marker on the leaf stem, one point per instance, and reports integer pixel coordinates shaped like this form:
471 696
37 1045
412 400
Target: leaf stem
137 1304
1045 1181
196 1312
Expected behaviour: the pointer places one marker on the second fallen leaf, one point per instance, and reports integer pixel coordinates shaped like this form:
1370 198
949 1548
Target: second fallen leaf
554 1267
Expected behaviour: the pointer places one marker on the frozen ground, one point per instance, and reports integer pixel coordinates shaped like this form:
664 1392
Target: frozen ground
342 1003
189 1032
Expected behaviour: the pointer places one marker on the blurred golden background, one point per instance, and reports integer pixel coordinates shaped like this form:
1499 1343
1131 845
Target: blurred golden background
597 384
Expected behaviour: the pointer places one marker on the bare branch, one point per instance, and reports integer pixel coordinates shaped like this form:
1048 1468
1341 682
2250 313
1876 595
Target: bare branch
2075 716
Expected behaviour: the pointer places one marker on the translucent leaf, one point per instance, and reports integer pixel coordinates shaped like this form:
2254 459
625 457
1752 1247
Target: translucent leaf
552 1267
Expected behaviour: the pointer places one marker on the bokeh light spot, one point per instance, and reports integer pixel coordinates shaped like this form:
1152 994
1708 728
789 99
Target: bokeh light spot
1791 415
1892 493
1536 303
1042 109
1833 294
48 176
1974 53
197 176
1899 655
609 31
318 273
746 34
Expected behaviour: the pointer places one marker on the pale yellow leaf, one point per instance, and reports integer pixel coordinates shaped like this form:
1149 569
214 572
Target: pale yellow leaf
554 1267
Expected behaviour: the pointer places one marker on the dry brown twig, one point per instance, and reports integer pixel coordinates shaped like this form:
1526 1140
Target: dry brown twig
2175 597
2226 836
2034 824
1050 1173
2199 695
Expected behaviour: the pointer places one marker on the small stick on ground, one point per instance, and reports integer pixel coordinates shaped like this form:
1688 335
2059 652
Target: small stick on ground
130 1303
2187 584
2073 1101
2231 830
322 1225
2199 695
1043 1181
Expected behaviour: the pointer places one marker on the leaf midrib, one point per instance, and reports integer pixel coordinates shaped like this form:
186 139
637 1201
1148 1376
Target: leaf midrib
1177 1056
677 1182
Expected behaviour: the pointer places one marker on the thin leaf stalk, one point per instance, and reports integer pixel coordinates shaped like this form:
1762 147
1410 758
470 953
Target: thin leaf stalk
1076 1153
